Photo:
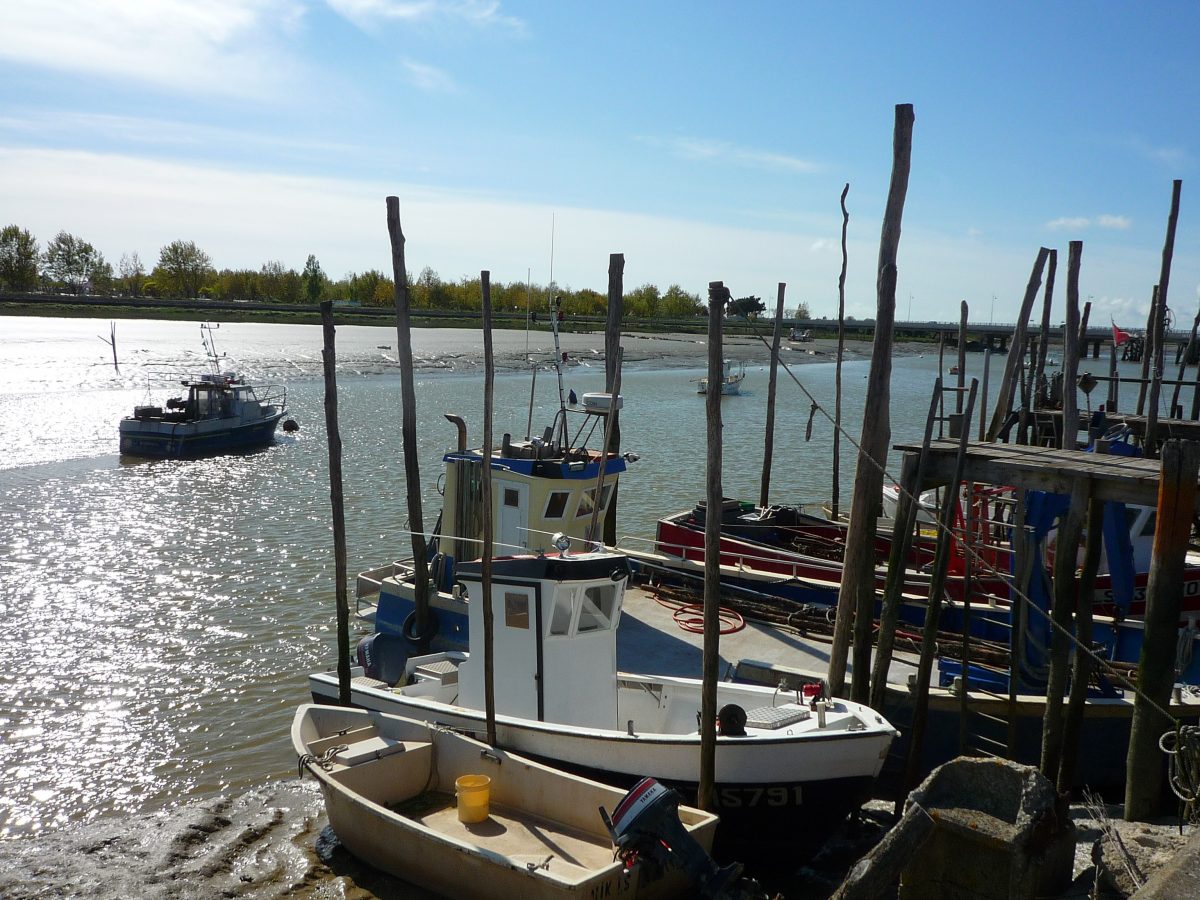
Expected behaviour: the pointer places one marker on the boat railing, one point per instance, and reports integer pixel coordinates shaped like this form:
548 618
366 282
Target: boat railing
272 395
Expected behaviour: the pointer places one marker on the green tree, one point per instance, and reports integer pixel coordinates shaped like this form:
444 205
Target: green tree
679 304
183 269
271 280
748 307
314 280
18 259
72 261
131 273
642 302
801 311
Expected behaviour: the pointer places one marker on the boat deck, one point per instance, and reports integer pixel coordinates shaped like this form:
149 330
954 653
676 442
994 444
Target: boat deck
650 640
522 837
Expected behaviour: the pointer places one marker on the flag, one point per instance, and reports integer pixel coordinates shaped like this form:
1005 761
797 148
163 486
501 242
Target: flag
1119 336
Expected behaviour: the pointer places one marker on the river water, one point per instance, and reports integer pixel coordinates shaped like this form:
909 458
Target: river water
160 617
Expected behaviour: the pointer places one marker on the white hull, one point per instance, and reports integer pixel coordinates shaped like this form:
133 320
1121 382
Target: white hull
544 837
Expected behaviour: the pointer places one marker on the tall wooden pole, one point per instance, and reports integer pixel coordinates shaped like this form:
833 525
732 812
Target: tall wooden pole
764 491
485 570
837 370
718 295
1147 351
1179 469
1070 528
961 378
1188 352
856 599
612 376
1070 362
1047 301
334 436
408 427
1164 279
1004 394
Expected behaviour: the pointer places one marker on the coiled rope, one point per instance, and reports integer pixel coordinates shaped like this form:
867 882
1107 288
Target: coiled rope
325 760
1182 747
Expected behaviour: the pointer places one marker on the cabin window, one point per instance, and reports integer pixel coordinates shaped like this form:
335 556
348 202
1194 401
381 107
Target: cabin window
512 497
560 615
556 506
516 610
597 610
587 503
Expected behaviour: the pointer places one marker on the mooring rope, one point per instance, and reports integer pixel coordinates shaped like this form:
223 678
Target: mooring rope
1182 747
325 760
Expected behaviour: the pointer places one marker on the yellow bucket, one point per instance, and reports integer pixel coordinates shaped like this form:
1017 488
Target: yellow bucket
472 792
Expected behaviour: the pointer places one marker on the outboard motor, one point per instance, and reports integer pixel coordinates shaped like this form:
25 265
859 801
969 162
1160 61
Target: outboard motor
646 829
383 656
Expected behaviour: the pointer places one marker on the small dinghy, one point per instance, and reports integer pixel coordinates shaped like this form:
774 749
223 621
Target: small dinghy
524 830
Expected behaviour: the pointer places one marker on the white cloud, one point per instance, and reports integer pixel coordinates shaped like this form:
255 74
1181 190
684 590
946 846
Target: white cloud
1065 223
708 150
201 46
482 14
1121 223
429 78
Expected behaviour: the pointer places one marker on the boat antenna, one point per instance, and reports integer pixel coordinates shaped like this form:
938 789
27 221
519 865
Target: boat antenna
210 347
528 291
555 313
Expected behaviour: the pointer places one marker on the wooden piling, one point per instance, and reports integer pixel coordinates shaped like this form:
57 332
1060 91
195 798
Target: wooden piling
1113 382
912 475
1179 468
1062 607
334 439
1147 351
1070 361
718 295
408 429
834 508
1047 302
1188 352
937 586
960 383
764 491
1004 394
485 568
612 376
856 598
1081 671
1164 279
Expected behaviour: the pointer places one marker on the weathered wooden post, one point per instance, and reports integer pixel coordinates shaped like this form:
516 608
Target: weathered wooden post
1047 302
111 340
764 491
912 475
1070 528
1114 379
937 585
1013 360
612 375
963 313
1070 363
1147 351
408 428
1164 279
718 295
837 370
1188 352
1179 468
1081 671
485 568
856 598
334 437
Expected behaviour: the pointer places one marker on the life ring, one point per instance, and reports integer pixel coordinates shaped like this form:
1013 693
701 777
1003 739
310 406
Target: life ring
409 628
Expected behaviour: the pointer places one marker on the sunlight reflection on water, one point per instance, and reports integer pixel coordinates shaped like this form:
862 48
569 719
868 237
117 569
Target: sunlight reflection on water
161 616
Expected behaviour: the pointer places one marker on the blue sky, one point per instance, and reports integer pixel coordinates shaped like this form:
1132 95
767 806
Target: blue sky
705 141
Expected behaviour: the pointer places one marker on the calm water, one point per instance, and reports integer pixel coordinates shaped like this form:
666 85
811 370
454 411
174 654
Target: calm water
160 618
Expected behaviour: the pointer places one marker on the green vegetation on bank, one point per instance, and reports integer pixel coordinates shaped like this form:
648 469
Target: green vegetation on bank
71 265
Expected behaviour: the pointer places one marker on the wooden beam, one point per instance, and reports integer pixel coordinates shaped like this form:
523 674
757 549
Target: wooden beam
334 438
764 491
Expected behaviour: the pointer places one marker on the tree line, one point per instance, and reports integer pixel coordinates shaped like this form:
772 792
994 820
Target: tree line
69 264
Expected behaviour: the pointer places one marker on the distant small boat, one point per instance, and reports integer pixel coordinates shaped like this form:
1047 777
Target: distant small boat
800 337
383 346
731 382
524 830
1051 362
954 370
221 413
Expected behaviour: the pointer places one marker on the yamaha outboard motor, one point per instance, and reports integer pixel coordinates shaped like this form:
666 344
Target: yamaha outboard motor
646 829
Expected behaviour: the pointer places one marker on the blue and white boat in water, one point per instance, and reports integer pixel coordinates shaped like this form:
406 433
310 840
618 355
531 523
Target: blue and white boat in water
220 413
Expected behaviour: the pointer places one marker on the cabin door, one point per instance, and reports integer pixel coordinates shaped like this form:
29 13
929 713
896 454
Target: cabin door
512 534
517 650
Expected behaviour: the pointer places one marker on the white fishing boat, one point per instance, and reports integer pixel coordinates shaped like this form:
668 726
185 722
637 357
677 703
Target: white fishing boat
731 381
786 763
520 829
221 412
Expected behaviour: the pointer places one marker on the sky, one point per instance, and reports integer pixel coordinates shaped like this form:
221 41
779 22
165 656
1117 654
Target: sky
704 141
